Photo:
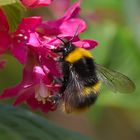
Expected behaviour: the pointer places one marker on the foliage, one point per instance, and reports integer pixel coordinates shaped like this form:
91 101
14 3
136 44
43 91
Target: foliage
14 11
25 125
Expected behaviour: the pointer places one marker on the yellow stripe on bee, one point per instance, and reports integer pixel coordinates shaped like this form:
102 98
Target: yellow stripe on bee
77 54
95 88
74 110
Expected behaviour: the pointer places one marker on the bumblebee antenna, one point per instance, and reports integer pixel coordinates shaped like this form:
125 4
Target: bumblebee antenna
61 39
75 34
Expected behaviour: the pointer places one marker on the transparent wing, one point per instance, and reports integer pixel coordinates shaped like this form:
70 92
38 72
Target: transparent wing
115 80
72 93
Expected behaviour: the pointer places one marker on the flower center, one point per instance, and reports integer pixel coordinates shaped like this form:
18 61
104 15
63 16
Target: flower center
42 93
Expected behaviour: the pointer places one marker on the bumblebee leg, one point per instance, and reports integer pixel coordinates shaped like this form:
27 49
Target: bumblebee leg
55 98
57 80
59 59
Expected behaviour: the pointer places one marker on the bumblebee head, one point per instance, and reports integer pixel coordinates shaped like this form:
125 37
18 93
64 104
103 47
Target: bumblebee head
66 47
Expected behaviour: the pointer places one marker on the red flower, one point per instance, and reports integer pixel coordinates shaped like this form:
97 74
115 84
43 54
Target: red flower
36 86
16 42
66 27
21 36
32 45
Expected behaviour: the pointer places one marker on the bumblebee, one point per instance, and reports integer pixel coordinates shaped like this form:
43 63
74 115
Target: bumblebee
83 77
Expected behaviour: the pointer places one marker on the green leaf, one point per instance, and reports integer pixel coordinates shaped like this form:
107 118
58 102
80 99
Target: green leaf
6 73
6 2
14 13
20 124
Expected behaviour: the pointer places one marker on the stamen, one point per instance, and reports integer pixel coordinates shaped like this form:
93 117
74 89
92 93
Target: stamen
42 93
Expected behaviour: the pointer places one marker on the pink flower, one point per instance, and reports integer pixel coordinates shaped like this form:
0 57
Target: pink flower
39 71
66 26
16 42
36 3
21 36
36 86
32 45
60 26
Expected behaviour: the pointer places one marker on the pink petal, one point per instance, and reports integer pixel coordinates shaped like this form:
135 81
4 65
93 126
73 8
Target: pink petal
28 25
4 41
23 97
27 76
21 37
40 76
52 27
19 52
34 40
86 44
38 70
73 11
47 107
70 26
15 91
33 103
23 90
26 82
11 92
36 3
4 26
52 66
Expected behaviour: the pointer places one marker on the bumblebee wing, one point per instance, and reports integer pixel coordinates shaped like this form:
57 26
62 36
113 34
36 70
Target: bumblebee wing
73 92
115 80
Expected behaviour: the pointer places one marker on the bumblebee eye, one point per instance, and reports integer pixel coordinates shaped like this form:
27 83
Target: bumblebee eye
64 49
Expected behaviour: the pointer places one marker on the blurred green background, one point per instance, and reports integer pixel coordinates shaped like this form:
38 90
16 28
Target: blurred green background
115 24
